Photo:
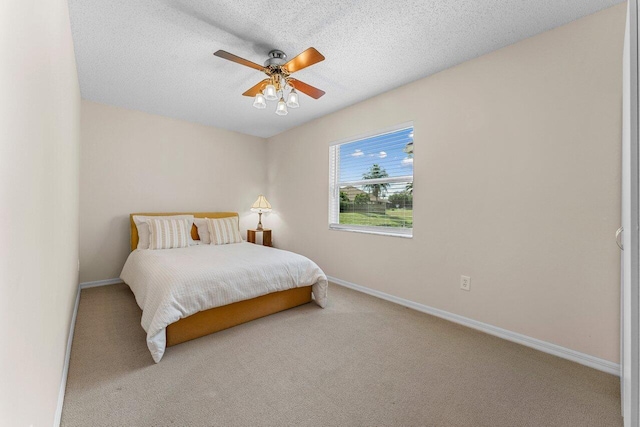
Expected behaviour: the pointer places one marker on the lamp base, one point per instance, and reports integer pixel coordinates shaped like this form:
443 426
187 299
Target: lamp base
259 227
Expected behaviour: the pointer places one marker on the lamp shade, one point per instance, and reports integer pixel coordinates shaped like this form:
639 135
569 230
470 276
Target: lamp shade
261 205
260 101
281 109
292 101
270 93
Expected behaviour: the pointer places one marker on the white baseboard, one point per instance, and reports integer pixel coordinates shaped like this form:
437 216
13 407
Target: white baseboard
546 347
85 285
72 327
67 357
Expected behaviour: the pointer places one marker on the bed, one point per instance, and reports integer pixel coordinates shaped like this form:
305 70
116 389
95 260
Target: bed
190 292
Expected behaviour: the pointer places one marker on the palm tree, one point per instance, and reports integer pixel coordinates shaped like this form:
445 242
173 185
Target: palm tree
376 172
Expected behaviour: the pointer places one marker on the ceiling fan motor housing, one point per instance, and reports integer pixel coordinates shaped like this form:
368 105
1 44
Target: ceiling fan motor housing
276 58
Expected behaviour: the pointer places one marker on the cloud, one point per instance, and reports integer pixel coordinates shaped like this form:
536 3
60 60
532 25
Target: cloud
357 153
407 161
382 155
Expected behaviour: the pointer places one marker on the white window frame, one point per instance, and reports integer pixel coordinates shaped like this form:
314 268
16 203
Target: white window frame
335 184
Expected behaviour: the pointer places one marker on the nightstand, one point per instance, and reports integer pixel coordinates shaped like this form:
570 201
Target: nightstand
266 236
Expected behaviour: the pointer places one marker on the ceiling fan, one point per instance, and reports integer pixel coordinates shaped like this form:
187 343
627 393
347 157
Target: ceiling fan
278 71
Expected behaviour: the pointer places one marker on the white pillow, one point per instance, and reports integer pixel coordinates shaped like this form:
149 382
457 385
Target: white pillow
168 233
143 227
224 230
203 230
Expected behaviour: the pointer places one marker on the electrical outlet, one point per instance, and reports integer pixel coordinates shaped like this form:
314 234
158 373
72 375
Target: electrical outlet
465 283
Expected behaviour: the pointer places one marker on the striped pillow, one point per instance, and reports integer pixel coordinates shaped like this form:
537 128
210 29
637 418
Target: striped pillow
168 233
224 230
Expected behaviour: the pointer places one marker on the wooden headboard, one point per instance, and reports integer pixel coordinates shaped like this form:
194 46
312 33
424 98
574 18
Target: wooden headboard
194 230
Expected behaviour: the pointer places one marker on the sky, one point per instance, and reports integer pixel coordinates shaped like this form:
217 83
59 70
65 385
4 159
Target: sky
356 158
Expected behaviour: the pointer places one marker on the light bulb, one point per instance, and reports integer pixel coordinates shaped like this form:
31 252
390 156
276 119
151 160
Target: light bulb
260 102
281 109
292 101
270 93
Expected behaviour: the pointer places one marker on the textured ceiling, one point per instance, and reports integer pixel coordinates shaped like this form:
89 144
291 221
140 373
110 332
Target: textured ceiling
157 56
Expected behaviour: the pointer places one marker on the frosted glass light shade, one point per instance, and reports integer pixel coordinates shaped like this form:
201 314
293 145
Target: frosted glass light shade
270 93
260 102
281 109
292 101
261 205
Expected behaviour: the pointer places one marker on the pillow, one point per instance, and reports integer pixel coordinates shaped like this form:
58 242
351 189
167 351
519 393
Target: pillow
143 227
203 230
168 233
224 230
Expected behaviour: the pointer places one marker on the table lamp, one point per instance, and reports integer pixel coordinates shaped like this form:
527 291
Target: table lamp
260 205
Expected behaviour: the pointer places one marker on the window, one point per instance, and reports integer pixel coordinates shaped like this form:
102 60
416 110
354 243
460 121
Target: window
371 183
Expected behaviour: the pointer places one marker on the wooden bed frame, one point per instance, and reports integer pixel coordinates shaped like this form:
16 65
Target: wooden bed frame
216 319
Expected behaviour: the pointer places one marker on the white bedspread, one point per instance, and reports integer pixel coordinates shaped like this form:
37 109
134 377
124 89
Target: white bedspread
170 284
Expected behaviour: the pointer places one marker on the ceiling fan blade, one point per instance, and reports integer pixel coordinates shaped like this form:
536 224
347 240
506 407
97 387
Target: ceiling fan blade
305 59
257 88
313 92
233 58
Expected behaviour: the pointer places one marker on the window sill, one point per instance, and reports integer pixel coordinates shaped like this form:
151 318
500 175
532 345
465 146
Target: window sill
381 231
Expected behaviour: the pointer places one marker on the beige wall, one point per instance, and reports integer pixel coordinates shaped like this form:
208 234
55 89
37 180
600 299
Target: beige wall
137 162
39 151
517 184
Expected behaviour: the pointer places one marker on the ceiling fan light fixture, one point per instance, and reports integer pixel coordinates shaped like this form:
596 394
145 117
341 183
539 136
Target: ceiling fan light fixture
281 109
270 93
292 100
278 82
260 102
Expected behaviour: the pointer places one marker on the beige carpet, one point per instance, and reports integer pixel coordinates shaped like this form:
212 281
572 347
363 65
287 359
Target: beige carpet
359 362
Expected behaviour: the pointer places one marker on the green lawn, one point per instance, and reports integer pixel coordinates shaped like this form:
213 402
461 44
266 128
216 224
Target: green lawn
391 218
